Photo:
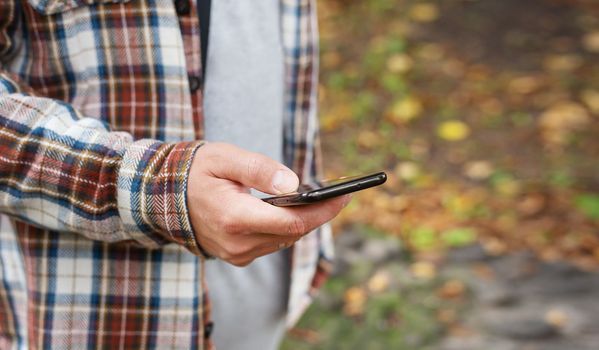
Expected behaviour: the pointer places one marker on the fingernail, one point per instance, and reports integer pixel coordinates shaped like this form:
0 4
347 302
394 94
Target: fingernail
284 181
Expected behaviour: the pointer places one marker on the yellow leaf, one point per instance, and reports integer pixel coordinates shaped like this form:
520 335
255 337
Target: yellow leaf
355 300
379 282
508 188
399 63
453 130
423 270
405 110
591 99
591 41
407 170
424 12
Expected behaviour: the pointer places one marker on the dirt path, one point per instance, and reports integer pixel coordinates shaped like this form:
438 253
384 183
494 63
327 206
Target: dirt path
524 304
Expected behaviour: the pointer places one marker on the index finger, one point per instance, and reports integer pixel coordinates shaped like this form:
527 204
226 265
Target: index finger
259 216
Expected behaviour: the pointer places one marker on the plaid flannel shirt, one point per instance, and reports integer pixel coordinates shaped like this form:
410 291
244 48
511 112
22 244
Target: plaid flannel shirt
100 115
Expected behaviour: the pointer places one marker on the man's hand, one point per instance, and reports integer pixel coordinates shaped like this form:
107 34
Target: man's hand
231 224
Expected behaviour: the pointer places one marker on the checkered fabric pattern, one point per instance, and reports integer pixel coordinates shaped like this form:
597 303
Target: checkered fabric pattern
99 122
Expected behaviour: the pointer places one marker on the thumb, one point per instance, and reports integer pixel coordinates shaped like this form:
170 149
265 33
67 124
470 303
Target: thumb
248 168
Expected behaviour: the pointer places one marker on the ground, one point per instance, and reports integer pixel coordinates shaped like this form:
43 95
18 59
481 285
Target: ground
484 114
471 301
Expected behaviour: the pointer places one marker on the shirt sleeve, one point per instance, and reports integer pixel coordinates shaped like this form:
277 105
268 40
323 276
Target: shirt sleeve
62 171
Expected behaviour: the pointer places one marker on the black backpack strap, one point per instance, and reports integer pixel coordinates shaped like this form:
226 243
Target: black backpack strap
204 14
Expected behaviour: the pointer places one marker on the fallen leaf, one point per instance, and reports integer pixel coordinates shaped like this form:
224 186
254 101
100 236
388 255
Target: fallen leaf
407 170
424 12
596 253
423 238
562 118
524 85
531 204
458 237
331 59
591 41
453 68
483 271
566 62
508 187
453 130
399 63
399 202
423 270
447 316
591 99
491 106
308 335
461 331
478 72
355 300
452 289
335 117
431 52
565 115
420 148
556 318
494 246
368 139
550 254
379 282
478 170
589 205
382 202
405 110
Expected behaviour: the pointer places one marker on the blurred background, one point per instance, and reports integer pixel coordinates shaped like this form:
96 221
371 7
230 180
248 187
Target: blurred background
485 115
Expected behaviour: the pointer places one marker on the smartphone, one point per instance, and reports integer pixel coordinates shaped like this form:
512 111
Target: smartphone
308 194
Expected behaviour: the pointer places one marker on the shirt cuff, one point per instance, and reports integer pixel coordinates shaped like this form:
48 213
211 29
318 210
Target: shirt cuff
152 193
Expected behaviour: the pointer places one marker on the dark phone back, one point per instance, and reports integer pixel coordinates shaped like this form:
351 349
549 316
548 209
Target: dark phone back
329 190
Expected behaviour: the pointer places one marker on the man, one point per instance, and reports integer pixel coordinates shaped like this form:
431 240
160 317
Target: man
117 203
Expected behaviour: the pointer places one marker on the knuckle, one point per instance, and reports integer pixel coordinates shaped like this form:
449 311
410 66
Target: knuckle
297 226
253 166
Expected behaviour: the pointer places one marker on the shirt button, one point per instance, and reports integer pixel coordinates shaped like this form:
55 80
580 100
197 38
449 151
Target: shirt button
208 329
195 83
182 7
